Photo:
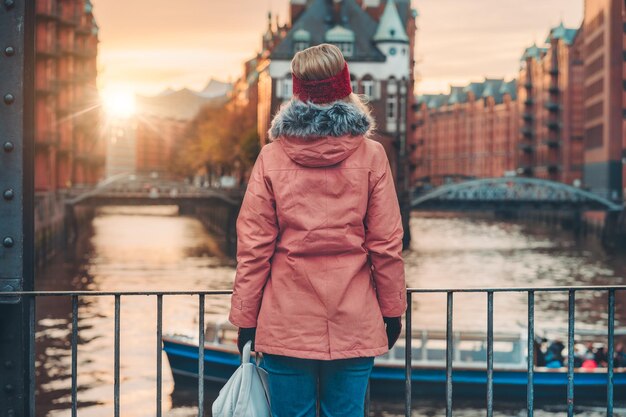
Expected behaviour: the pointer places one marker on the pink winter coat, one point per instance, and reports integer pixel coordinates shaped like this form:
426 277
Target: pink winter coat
319 238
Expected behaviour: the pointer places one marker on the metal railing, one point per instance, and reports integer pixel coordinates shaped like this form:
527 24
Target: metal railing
31 296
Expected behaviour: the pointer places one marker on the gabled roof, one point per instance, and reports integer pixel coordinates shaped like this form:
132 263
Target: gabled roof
533 52
423 98
390 27
474 88
457 95
490 87
509 88
561 32
318 19
438 100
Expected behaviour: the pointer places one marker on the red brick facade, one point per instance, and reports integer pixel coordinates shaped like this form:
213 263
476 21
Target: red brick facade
154 142
531 126
605 99
470 132
69 149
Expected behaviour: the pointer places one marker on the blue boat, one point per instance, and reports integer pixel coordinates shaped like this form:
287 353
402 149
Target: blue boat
428 375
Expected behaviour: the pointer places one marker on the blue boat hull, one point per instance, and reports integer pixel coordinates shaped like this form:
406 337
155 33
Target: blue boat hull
219 364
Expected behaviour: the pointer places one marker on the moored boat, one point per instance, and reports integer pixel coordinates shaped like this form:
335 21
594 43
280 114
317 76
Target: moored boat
428 370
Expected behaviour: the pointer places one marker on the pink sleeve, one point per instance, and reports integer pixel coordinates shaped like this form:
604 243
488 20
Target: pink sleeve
257 229
383 241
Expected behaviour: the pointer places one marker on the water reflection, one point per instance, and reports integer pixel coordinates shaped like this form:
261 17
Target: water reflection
155 249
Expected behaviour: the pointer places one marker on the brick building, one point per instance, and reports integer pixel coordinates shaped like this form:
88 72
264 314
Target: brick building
143 144
69 150
571 103
531 126
550 102
471 131
604 30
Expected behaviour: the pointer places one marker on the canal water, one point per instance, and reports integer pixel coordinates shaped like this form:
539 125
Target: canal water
152 248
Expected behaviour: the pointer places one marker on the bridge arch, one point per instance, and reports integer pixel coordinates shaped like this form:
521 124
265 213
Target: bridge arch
514 193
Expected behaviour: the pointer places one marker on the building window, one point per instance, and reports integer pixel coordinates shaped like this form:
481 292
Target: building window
392 113
368 88
300 46
594 137
287 88
355 85
284 88
594 111
392 109
594 66
347 48
402 112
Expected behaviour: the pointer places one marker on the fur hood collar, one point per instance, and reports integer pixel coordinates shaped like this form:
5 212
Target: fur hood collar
310 121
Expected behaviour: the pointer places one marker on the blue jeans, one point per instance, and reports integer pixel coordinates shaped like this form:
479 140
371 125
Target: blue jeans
293 385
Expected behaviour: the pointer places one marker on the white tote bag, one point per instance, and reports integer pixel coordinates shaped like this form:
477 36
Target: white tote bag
246 393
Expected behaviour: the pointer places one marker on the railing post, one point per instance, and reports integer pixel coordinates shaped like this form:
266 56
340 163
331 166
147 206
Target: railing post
449 352
74 348
408 356
201 355
570 352
116 359
159 352
17 314
490 354
611 354
530 385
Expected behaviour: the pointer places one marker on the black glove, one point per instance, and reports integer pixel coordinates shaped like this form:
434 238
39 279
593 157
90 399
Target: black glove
244 335
393 326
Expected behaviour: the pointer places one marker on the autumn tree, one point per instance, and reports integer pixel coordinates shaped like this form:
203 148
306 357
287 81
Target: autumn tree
220 141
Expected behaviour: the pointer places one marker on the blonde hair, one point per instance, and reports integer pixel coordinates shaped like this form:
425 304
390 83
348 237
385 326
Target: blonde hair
324 61
318 62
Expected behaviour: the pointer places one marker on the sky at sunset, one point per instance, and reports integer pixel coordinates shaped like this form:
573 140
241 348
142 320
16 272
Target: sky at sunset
147 46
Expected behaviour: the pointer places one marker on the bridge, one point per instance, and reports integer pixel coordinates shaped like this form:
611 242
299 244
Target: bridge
511 194
216 208
131 189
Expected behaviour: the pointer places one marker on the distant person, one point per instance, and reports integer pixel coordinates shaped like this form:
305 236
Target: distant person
589 362
320 287
620 356
554 354
540 356
600 356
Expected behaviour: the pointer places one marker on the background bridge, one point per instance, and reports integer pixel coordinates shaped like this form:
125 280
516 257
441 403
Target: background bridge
511 194
132 189
216 208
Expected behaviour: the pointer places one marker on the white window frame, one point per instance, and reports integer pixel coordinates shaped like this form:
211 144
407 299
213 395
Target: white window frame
369 88
347 48
391 112
355 86
287 88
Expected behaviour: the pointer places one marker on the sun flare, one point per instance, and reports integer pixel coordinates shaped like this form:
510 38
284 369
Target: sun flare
119 103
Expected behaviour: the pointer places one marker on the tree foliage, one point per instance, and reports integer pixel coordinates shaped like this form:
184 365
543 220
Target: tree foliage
220 141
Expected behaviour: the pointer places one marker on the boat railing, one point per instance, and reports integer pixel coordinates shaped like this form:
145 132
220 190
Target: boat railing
446 350
470 349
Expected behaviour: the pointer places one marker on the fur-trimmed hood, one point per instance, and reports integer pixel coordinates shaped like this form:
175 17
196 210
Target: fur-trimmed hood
316 135
312 121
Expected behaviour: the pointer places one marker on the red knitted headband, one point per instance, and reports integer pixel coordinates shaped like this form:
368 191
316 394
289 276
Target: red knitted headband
323 91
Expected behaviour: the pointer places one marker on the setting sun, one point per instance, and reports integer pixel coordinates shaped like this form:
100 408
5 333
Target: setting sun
119 103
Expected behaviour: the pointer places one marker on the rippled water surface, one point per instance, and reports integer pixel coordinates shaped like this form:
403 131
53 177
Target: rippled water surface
155 249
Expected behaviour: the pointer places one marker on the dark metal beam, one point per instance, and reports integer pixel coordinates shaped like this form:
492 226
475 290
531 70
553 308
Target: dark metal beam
17 314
